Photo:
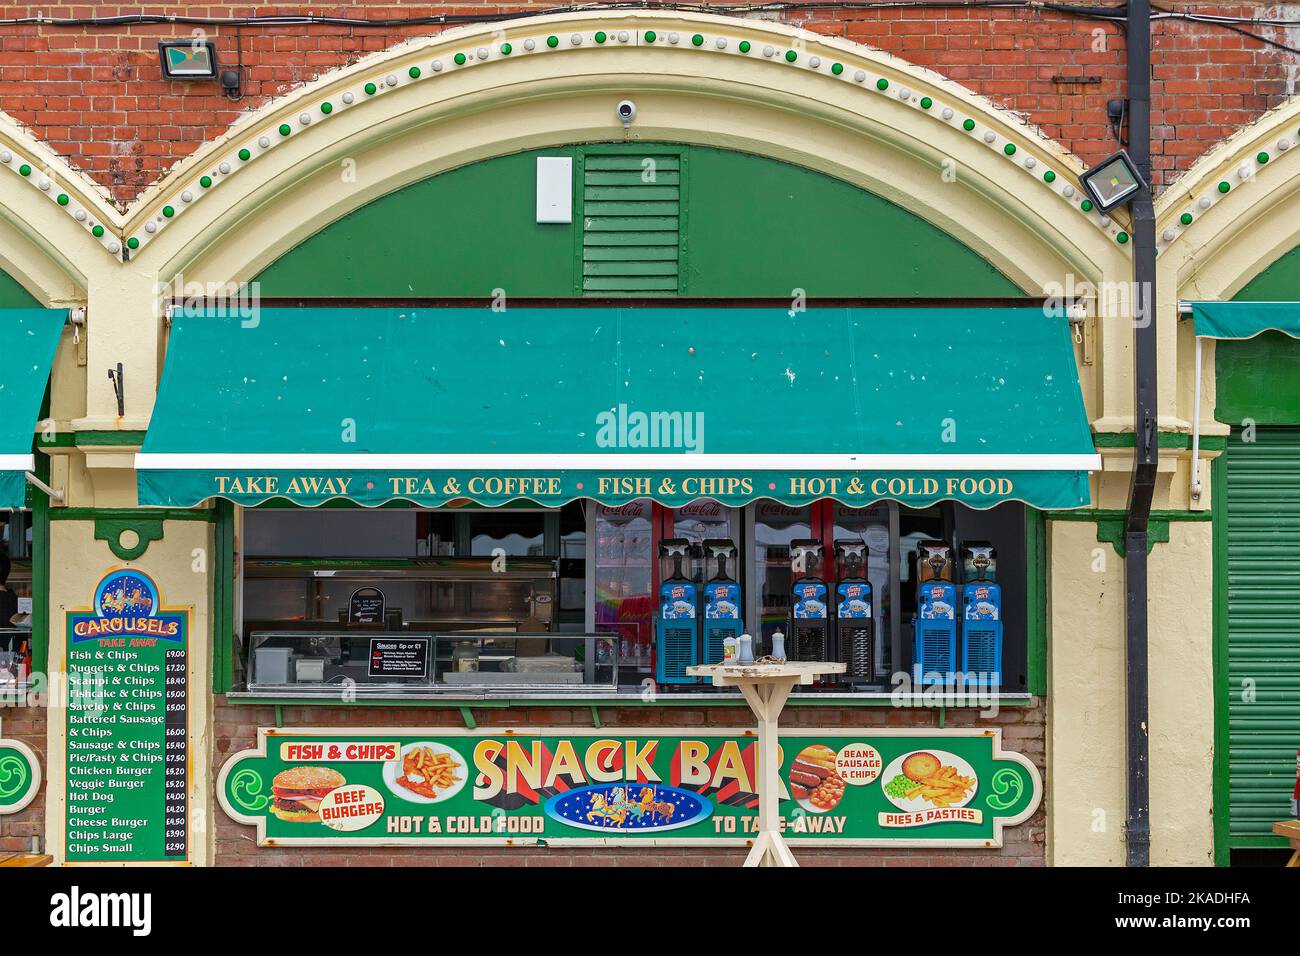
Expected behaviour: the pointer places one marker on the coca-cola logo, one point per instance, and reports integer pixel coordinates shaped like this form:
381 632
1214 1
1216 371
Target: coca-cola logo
700 509
633 509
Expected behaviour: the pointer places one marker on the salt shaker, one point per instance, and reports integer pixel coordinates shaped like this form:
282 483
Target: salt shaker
746 649
778 646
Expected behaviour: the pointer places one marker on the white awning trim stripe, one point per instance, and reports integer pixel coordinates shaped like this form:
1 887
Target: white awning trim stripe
168 461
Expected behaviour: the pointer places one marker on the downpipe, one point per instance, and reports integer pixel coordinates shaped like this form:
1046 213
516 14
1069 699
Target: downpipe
1146 452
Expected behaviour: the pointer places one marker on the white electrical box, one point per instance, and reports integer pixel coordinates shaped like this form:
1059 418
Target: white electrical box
554 189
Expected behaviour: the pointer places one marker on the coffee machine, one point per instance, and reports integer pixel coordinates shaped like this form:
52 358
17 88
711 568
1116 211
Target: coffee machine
935 641
809 638
854 610
981 614
676 623
721 600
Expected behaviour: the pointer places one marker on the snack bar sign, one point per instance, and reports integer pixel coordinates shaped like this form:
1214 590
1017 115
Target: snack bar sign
869 787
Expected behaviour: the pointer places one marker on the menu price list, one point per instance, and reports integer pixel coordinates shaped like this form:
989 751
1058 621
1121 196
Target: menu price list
127 750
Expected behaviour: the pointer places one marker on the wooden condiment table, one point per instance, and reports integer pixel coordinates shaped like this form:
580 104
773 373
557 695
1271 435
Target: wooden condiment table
1291 830
766 687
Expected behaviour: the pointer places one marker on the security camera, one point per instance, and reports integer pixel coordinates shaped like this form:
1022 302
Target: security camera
626 112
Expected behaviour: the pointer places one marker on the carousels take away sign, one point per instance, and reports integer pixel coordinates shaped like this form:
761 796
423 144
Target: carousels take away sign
857 787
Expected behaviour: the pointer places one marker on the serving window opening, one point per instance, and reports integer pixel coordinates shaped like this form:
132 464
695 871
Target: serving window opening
612 599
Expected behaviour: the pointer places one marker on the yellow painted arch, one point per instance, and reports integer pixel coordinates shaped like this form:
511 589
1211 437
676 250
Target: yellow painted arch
225 214
1236 234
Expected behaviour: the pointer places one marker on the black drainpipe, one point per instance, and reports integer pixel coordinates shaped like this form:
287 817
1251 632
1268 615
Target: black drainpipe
1137 827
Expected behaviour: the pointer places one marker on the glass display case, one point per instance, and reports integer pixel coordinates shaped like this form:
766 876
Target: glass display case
331 660
566 662
375 661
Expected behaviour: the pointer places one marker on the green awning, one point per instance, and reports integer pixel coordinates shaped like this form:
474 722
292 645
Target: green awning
1245 320
432 405
28 338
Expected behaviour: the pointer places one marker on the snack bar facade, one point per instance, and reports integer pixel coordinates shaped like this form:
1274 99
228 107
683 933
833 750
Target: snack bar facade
477 406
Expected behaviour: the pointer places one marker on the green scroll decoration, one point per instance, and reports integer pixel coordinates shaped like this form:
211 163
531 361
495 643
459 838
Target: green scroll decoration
246 790
14 776
1005 781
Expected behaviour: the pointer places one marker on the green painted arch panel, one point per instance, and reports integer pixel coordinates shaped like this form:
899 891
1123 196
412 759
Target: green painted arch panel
13 295
747 226
1257 378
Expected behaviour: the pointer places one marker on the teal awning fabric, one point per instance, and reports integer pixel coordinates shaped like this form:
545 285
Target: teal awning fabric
1245 320
28 339
432 405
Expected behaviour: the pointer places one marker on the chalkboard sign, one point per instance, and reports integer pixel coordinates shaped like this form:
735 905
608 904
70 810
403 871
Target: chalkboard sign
366 606
399 657
127 726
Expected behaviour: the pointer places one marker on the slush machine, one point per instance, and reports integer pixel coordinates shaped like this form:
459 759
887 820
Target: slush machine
721 600
676 624
935 649
981 615
809 637
854 612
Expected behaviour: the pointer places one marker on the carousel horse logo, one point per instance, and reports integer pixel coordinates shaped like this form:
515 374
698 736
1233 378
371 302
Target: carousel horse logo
126 604
628 808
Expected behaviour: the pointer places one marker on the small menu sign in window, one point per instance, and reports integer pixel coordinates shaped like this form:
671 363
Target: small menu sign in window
399 657
366 606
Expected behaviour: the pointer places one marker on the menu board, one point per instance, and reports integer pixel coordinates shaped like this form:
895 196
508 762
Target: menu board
127 725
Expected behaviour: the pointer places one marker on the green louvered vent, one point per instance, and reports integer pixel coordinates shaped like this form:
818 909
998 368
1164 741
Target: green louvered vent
631 224
1263 536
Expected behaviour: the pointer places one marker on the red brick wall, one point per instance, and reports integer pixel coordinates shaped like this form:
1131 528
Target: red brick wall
235 729
95 95
17 830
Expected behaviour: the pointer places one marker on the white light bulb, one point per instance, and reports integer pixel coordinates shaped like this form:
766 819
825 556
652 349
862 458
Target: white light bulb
769 51
576 39
947 113
530 45
720 43
814 62
482 53
673 38
860 77
6 156
264 142
1168 235
151 227
187 196
79 215
223 168
1204 202
348 99
391 79
304 119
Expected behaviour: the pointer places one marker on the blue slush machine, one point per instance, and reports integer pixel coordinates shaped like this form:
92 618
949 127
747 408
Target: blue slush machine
676 624
809 639
981 615
721 600
935 644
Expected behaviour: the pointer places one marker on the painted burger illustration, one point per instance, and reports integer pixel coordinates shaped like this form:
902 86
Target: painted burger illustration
298 791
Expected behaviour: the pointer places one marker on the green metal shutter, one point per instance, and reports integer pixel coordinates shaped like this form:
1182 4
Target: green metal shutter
631 227
1263 567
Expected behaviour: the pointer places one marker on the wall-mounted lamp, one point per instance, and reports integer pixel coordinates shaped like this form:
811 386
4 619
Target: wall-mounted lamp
1112 181
188 59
